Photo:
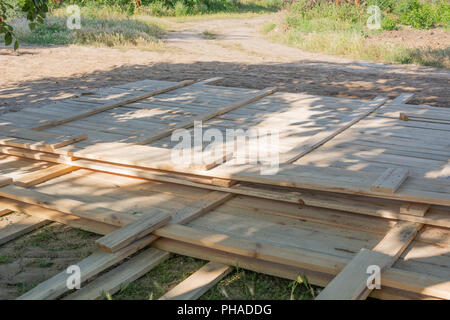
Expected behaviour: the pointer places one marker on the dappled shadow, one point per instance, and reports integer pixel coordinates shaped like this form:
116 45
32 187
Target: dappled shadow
326 79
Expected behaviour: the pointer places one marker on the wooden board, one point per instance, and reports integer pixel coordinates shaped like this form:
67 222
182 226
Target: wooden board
198 283
416 209
352 282
44 175
133 231
390 180
21 227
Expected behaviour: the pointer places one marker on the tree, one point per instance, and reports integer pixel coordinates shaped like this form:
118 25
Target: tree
35 11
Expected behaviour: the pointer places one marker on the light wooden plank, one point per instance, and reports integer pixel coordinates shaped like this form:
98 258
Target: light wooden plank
4 181
70 220
137 97
119 277
351 282
210 81
204 116
43 175
416 209
5 211
133 231
198 283
390 180
69 206
21 227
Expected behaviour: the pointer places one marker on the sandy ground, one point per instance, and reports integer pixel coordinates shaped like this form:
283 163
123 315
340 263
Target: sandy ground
33 76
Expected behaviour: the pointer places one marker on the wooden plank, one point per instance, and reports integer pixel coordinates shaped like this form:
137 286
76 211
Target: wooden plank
416 209
198 283
69 206
70 220
4 181
5 212
100 260
21 227
14 136
133 231
322 137
210 81
390 180
44 145
108 106
351 282
119 277
402 99
204 116
43 175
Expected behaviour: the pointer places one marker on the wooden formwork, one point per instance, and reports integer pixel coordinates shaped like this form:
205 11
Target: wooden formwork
359 183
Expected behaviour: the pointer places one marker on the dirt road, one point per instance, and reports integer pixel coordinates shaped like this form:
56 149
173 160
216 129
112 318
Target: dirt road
232 48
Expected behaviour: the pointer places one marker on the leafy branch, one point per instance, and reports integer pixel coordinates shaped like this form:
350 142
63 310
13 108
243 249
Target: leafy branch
35 11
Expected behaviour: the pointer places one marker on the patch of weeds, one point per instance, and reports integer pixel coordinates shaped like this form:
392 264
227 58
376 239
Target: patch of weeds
23 287
159 280
41 237
84 234
4 260
45 264
243 284
268 26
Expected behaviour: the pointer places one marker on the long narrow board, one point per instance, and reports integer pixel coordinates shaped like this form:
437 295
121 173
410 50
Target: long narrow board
108 106
119 277
204 116
351 282
198 283
21 227
133 231
43 175
30 139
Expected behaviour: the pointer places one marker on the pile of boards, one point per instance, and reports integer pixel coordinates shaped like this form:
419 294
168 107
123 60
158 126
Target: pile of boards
360 183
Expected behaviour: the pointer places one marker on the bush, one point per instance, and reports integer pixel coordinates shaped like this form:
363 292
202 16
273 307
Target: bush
388 23
180 9
418 15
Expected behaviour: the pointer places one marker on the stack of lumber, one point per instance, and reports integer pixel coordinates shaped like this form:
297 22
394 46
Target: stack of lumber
358 185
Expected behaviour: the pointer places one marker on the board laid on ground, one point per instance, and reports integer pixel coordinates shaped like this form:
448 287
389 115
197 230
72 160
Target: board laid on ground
309 185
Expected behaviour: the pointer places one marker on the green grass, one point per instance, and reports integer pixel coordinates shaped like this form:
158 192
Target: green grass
341 30
4 260
239 284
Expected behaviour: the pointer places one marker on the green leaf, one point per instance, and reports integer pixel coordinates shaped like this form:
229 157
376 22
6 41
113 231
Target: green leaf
32 25
16 45
8 38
